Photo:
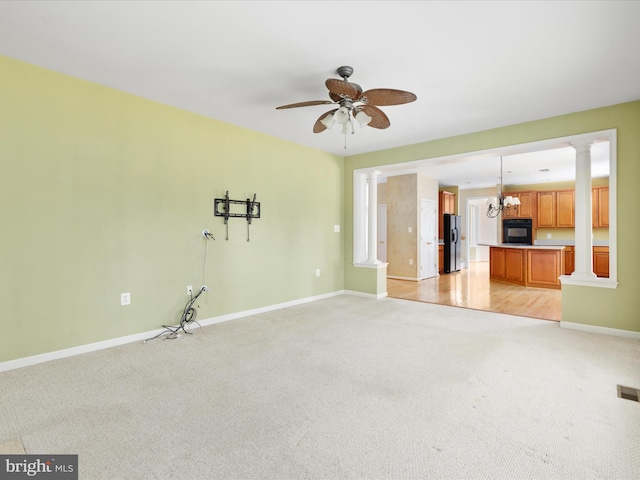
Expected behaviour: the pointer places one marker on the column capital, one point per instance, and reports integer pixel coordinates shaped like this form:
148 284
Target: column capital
583 146
373 175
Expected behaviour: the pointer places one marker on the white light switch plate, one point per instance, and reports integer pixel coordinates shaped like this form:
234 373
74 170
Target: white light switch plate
125 298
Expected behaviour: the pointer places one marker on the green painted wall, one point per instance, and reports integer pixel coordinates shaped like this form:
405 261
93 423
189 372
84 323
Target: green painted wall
103 192
614 308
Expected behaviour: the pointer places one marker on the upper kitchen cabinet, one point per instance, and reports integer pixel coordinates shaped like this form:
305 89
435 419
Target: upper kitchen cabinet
600 207
527 203
556 209
546 209
566 209
446 204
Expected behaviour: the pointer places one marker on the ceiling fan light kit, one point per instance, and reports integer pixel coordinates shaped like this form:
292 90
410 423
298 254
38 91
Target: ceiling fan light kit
354 104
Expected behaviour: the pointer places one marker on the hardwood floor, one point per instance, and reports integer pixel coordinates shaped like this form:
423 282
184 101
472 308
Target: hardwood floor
471 288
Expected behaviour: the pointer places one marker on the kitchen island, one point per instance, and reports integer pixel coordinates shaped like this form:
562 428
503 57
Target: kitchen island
527 265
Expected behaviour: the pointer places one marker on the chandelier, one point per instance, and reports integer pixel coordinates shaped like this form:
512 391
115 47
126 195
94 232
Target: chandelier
509 205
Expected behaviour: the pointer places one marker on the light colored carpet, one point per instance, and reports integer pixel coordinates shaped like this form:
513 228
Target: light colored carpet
343 388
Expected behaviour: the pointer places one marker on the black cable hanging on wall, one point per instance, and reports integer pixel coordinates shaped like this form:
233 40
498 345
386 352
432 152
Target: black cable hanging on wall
190 311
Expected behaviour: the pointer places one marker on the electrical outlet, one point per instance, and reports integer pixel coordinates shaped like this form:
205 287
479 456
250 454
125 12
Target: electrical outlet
336 228
411 261
125 298
190 290
410 230
317 272
548 235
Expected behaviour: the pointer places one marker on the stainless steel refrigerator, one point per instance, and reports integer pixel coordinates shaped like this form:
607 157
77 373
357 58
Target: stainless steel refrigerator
451 243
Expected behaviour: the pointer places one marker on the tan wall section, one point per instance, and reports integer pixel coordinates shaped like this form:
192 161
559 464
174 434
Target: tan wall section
402 214
427 188
382 193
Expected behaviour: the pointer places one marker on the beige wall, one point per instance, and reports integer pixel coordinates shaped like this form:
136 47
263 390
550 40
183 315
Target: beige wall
403 195
382 193
427 188
402 215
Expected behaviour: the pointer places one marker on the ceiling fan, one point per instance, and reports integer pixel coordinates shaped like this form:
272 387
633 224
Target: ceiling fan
354 104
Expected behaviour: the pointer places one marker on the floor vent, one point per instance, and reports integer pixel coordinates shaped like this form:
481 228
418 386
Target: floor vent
628 393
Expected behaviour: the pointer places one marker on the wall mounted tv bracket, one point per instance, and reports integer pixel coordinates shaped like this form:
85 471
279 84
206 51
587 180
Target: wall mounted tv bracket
223 207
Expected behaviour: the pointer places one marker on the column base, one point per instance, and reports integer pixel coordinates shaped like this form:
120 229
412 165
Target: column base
367 264
584 276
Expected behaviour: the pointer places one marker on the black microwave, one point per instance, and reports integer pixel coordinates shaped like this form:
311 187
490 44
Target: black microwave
517 230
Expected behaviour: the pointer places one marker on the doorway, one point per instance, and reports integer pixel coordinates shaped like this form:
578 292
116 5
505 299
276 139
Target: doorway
481 230
428 239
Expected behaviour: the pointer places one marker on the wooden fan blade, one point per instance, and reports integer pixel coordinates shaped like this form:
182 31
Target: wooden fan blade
378 117
318 126
387 96
336 98
340 87
305 104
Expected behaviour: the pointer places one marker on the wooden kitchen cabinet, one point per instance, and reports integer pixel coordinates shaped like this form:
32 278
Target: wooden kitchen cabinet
566 209
446 204
556 209
515 266
546 209
569 259
507 264
544 268
529 267
600 207
497 263
601 261
527 204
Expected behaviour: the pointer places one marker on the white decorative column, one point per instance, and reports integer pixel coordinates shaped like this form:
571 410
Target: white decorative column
583 225
372 224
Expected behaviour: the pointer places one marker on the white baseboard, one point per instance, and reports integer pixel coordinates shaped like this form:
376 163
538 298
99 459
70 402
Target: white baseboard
269 308
141 337
79 350
365 295
600 330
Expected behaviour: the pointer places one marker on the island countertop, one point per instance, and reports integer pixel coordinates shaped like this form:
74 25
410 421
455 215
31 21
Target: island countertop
521 246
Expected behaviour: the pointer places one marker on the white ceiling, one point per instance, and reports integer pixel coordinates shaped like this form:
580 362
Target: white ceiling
473 65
